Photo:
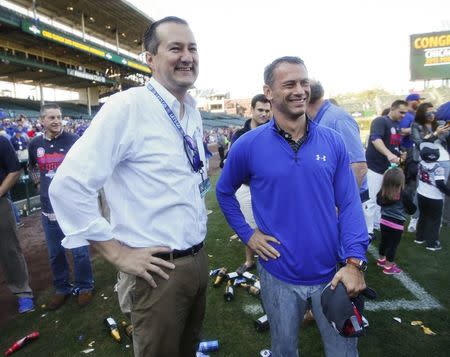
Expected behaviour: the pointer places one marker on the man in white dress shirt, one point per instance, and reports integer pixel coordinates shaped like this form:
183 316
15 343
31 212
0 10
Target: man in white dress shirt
155 184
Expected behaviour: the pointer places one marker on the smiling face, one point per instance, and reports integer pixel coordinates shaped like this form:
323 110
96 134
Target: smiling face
175 63
51 121
289 92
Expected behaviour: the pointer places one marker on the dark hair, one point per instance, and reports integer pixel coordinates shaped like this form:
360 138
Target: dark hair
393 183
317 91
385 111
421 115
268 71
259 98
334 101
151 39
398 103
44 107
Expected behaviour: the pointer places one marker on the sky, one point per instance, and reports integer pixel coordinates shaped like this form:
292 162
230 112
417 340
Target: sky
348 45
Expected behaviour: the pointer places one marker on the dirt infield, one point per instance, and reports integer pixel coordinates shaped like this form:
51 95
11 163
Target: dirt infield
32 240
31 237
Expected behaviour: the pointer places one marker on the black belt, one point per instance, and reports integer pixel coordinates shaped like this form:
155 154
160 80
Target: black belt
175 254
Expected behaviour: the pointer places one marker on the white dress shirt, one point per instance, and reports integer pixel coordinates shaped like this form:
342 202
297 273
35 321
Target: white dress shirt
133 150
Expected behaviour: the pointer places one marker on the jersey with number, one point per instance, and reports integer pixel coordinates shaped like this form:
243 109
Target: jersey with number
429 173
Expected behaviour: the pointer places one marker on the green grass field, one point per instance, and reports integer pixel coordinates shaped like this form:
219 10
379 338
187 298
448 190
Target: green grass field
68 331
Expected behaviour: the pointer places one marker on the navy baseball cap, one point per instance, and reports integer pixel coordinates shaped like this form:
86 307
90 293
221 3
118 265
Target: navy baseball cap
443 112
429 152
413 96
345 313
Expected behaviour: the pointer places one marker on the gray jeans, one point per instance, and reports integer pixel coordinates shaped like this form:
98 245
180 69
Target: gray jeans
12 260
285 305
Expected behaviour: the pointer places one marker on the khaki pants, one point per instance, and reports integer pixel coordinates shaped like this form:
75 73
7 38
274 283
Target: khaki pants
12 260
167 320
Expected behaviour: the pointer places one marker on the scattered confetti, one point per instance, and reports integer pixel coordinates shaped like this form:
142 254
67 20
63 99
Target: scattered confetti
210 255
43 306
105 298
43 315
398 319
208 212
102 294
56 321
127 346
234 236
427 331
89 350
90 344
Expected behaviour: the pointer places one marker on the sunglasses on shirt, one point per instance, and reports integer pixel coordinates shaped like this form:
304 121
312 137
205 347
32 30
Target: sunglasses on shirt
192 153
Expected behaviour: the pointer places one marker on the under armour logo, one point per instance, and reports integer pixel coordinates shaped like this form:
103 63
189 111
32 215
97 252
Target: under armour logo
323 158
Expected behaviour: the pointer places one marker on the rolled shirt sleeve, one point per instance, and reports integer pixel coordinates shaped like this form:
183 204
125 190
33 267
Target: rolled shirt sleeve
85 169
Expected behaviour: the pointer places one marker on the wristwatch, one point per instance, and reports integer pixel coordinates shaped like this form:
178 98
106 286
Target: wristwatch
359 263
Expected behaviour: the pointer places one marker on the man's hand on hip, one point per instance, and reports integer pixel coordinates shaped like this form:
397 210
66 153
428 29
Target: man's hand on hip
135 261
352 278
259 242
141 262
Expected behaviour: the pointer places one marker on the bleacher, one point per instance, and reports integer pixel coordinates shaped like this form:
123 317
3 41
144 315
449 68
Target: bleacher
221 120
30 108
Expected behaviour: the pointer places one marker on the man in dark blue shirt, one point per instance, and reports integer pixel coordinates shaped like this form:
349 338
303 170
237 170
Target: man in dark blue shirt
12 260
383 149
46 153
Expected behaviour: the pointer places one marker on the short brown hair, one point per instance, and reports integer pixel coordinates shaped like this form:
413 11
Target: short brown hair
44 107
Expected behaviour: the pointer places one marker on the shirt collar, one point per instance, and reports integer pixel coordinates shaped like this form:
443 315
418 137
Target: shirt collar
169 98
50 139
284 134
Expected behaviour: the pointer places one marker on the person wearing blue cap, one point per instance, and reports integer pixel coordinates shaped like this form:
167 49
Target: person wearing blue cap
413 101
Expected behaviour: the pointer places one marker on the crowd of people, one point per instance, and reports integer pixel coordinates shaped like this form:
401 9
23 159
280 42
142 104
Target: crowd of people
297 186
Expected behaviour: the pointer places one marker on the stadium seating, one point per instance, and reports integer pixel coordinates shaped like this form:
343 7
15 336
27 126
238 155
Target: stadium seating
30 108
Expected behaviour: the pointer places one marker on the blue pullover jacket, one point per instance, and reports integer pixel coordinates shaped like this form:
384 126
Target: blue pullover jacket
294 198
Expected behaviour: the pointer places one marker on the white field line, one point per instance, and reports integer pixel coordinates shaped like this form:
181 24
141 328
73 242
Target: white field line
253 309
424 300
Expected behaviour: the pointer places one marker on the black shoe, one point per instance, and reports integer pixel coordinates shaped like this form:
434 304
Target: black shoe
436 246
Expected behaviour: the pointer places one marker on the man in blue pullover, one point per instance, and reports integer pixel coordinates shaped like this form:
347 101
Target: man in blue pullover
306 206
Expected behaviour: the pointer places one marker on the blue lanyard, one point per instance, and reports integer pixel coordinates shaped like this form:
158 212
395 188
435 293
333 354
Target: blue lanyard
169 111
196 162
